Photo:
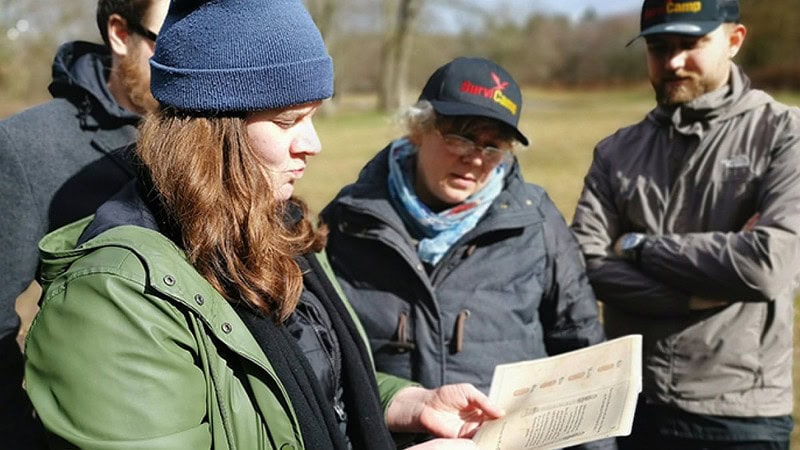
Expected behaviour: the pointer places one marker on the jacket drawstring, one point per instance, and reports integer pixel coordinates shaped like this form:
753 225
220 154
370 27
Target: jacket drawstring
83 112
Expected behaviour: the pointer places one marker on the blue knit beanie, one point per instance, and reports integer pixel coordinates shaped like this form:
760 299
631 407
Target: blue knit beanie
239 55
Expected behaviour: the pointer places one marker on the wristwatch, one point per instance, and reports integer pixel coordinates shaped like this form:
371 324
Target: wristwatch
632 246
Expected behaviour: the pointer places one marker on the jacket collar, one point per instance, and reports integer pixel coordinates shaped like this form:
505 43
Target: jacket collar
730 100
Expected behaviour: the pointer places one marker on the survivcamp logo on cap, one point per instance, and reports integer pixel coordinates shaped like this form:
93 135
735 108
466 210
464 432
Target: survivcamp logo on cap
494 92
689 17
475 87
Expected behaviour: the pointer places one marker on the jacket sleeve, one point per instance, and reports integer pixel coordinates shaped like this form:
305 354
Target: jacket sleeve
389 385
22 225
569 309
109 367
597 225
757 265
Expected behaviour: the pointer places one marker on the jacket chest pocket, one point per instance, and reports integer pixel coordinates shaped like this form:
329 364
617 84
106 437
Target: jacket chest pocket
737 181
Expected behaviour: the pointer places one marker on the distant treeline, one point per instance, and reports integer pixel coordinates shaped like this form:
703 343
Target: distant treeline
550 50
541 50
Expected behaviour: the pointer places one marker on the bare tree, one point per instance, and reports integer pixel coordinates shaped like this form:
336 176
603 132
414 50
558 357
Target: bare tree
400 18
324 14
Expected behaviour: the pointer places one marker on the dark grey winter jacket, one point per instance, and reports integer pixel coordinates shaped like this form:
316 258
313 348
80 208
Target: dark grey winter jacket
512 289
58 162
690 178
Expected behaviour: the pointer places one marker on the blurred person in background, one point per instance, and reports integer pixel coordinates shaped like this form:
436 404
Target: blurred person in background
60 160
195 309
690 225
452 261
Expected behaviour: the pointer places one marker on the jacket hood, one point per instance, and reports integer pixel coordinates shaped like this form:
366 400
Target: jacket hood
60 248
80 71
731 100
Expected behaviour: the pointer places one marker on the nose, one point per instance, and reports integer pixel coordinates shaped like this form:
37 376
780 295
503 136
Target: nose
307 141
473 158
676 59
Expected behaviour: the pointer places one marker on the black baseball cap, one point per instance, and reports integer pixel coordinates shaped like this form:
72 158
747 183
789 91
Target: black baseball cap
687 17
475 87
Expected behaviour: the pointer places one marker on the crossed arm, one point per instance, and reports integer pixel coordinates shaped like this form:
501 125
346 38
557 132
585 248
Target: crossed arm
679 272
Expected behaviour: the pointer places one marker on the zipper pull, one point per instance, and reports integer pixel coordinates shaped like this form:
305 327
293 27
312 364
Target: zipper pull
340 414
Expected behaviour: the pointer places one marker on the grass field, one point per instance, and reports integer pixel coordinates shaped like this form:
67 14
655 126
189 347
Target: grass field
563 128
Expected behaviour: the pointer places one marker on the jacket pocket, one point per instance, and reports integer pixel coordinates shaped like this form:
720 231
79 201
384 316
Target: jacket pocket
719 354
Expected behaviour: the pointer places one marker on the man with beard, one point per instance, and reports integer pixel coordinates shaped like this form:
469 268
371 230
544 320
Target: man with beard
60 160
689 222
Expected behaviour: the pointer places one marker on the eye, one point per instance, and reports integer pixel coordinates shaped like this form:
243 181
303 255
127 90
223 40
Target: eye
657 48
689 45
284 125
457 141
287 122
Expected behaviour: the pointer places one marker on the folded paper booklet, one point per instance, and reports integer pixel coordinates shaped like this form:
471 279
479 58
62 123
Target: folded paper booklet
565 400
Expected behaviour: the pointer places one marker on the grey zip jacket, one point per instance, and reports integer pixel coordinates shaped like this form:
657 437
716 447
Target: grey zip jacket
59 161
690 178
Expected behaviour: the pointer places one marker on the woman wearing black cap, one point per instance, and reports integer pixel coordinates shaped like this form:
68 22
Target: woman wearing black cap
194 309
452 261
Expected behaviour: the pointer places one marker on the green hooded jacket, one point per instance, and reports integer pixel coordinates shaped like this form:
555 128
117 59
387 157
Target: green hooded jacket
132 348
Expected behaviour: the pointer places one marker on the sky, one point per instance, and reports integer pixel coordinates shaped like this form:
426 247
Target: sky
519 10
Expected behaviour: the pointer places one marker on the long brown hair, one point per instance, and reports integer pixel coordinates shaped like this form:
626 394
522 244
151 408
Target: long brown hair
217 193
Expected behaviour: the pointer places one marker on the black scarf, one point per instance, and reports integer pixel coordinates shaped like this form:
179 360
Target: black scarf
314 412
365 427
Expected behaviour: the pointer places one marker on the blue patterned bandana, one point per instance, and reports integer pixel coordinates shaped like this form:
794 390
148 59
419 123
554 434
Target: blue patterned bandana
438 231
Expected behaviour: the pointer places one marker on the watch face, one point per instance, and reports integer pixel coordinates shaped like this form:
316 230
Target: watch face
631 241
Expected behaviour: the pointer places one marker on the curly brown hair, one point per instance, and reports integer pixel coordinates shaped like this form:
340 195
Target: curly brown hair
214 188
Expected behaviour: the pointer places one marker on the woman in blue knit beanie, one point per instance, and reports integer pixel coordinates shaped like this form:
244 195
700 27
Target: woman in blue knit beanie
196 308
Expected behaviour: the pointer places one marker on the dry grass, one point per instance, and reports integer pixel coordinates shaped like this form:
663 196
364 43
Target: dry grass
563 128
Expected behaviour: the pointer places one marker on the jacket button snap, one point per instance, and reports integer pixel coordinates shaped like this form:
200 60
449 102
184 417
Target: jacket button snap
227 328
528 202
287 447
169 280
199 299
419 267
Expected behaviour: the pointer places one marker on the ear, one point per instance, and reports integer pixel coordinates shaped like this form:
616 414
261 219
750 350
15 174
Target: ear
736 38
118 34
415 138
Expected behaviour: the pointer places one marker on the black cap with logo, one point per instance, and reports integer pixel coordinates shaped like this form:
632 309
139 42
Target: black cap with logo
475 87
687 17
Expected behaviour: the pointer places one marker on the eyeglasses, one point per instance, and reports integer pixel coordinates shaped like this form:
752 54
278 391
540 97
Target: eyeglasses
461 146
142 31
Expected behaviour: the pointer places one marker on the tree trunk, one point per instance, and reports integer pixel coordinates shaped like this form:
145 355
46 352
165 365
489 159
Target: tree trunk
323 12
400 17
